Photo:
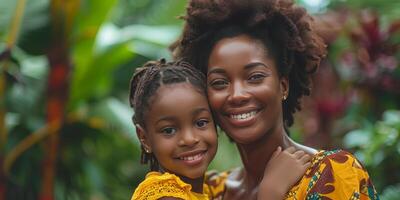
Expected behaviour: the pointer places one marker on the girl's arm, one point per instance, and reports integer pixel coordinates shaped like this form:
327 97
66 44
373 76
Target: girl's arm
284 169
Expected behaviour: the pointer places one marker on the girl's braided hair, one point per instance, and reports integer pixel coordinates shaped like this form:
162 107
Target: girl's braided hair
145 83
283 28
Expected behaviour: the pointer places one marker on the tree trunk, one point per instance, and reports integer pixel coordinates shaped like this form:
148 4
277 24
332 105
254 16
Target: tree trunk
57 96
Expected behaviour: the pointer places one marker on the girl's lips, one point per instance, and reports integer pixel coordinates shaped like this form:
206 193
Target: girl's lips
193 158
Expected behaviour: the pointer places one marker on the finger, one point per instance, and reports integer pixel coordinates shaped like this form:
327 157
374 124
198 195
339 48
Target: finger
277 152
299 154
307 165
306 158
279 148
290 150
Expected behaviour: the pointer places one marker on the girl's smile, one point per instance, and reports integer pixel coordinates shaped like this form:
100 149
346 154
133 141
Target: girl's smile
192 158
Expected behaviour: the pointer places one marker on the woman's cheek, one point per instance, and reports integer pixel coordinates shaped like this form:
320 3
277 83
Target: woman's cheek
216 99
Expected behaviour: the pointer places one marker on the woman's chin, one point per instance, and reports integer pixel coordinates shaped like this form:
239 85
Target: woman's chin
244 135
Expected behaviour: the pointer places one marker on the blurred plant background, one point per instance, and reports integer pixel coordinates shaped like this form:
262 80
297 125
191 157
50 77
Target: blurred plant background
65 122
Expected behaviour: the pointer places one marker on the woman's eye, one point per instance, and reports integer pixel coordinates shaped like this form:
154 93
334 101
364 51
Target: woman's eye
218 84
168 131
256 77
201 123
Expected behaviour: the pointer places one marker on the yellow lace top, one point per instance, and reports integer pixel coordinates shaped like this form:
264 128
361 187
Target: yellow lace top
157 185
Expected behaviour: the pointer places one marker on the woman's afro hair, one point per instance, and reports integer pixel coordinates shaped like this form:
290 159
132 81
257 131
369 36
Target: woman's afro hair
285 29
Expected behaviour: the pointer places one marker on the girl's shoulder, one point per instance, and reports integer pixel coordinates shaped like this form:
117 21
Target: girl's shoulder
157 185
334 174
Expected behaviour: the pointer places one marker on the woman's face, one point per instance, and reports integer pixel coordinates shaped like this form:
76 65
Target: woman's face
244 89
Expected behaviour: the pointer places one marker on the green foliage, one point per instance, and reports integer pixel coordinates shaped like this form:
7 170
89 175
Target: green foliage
98 153
227 156
391 193
377 145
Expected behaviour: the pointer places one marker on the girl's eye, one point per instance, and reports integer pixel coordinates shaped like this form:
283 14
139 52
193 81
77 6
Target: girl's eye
168 131
201 123
256 77
218 84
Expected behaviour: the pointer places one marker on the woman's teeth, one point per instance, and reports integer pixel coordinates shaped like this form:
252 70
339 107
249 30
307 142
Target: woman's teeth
244 115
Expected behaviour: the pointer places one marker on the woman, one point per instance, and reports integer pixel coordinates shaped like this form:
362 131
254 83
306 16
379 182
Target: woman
258 57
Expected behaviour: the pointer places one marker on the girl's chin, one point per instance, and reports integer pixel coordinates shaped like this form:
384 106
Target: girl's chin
192 176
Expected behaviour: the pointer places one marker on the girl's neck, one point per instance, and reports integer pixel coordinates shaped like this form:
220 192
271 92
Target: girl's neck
197 183
255 156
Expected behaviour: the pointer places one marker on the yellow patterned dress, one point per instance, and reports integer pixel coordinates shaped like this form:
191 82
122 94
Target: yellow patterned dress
157 185
332 175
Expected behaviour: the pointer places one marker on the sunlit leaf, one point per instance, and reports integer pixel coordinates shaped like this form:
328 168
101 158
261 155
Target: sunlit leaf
392 117
357 138
118 115
36 29
95 79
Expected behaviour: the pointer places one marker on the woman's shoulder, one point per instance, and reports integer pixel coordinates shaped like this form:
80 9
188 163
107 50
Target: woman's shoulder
336 161
338 155
157 185
336 174
216 182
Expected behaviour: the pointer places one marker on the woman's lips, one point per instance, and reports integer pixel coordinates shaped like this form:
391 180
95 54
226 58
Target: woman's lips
241 119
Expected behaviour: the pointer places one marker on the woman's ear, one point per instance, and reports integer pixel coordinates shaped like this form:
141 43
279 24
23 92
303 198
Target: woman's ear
284 87
141 134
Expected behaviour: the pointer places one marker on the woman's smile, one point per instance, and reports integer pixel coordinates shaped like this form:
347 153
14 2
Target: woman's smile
244 89
244 118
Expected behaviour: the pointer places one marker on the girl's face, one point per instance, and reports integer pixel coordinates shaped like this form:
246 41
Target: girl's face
180 131
244 89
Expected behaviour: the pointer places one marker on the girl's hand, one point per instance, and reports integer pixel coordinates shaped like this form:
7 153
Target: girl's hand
284 169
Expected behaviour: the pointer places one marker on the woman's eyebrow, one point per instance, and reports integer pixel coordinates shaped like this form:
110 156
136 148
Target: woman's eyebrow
216 70
255 64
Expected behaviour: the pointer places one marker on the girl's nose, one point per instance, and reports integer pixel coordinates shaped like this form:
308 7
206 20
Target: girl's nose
188 138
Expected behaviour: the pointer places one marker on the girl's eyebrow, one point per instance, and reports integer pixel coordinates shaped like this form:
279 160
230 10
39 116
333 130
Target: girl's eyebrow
200 110
166 118
172 118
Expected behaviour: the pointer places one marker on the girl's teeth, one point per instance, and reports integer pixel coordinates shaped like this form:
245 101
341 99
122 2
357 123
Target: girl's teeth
189 158
244 115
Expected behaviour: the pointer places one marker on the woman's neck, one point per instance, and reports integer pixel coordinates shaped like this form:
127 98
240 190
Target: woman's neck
255 156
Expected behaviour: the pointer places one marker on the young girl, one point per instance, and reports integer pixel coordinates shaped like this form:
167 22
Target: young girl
178 136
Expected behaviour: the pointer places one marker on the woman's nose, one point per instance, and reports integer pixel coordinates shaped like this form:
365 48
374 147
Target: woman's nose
238 94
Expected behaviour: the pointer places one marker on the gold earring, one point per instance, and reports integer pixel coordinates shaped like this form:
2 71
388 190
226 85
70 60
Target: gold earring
284 97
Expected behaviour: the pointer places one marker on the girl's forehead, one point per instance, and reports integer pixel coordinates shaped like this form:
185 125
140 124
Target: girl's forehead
181 88
172 99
